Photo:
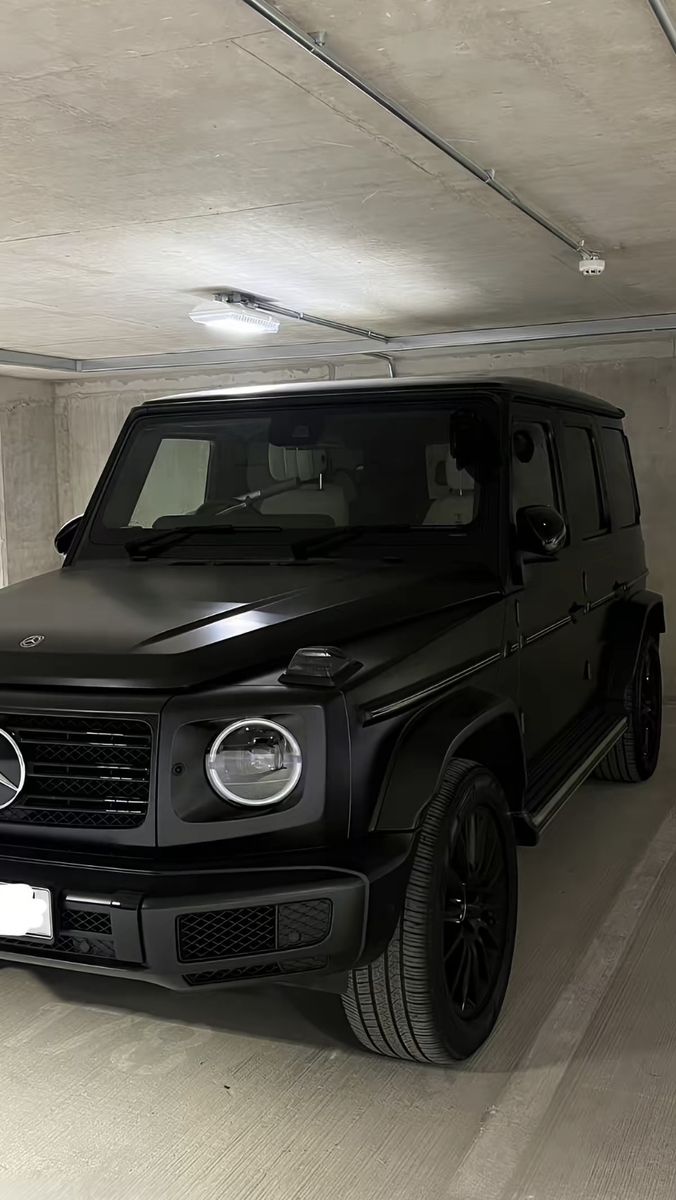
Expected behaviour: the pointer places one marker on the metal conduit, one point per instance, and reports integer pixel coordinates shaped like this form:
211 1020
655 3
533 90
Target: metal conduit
265 306
666 20
317 48
391 365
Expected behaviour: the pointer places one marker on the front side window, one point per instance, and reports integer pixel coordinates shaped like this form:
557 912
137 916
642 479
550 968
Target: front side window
314 468
533 478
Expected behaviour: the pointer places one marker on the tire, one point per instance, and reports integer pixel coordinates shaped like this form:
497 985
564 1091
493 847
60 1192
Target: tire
412 1002
634 758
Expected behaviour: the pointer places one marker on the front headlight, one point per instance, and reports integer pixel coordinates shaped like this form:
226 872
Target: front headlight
254 762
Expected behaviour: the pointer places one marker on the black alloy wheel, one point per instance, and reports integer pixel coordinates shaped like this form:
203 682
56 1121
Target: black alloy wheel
475 910
436 991
649 707
635 757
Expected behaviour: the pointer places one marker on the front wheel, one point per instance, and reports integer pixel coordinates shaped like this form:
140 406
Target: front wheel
634 758
435 993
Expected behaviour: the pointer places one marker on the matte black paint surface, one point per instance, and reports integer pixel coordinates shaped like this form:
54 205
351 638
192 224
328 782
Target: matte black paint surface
504 660
156 625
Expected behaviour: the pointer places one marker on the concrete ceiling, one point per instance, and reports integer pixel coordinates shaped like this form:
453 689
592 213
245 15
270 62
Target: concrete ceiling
154 152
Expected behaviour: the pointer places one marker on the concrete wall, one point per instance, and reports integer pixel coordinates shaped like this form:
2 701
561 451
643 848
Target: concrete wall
28 487
50 467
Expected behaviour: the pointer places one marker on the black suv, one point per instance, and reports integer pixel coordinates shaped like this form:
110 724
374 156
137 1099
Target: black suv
319 657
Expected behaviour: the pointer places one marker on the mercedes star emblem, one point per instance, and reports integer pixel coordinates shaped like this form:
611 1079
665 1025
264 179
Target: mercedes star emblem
33 640
12 769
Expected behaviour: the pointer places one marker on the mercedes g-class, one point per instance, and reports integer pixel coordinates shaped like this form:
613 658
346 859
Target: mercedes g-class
318 658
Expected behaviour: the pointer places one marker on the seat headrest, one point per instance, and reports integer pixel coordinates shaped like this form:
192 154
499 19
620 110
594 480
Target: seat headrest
457 480
294 462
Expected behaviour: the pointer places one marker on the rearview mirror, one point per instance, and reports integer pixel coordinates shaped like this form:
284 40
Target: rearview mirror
473 445
540 530
66 535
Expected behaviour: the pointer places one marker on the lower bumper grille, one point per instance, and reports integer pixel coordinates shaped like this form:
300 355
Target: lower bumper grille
81 933
85 771
259 929
86 921
85 946
264 971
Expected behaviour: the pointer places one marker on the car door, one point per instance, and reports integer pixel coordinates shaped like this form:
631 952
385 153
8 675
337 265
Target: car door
593 544
547 589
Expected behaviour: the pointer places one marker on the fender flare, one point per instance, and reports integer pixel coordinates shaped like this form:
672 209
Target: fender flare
470 716
628 623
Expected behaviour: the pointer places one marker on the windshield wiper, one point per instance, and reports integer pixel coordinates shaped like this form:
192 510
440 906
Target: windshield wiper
154 543
313 546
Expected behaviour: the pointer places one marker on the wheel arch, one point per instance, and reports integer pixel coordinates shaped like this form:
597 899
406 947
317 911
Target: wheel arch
629 622
472 724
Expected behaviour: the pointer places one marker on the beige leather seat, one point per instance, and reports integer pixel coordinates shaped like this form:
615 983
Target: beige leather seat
457 508
317 493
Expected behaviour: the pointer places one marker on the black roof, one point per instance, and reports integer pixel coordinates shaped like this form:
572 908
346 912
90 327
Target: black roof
531 389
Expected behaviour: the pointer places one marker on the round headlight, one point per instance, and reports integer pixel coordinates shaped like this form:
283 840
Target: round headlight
254 762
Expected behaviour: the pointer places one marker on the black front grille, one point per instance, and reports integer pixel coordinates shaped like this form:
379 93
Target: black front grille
258 929
81 772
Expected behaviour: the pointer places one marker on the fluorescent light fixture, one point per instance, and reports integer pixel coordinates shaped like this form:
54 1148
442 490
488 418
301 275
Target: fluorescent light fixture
225 318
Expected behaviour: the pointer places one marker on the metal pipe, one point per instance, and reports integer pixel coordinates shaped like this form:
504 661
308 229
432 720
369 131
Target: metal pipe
318 49
666 20
392 370
295 315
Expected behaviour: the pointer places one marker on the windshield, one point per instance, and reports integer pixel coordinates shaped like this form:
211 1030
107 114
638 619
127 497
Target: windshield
282 473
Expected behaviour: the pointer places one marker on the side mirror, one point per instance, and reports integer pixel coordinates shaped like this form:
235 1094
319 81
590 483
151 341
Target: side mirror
540 530
66 535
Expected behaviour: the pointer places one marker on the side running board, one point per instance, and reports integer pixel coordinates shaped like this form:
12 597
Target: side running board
564 768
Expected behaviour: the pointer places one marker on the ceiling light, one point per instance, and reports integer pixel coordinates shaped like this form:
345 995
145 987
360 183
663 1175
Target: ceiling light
223 318
257 304
242 312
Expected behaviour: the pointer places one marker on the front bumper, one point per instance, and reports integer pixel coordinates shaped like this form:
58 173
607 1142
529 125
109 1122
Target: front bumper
300 922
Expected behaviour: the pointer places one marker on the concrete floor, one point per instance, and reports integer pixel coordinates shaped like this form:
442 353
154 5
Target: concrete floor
123 1091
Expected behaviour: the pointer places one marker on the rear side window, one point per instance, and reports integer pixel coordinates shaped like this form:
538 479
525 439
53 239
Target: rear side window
621 485
586 507
533 479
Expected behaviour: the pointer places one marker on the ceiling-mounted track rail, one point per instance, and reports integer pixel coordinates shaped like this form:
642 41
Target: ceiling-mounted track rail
517 336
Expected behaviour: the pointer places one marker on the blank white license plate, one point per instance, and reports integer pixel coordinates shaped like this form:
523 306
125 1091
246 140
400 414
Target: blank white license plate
25 911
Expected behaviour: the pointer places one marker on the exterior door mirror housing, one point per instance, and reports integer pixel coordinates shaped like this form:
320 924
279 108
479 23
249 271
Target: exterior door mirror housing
540 530
66 535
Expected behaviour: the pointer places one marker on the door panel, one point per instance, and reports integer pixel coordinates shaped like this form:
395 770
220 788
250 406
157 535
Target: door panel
592 549
546 604
620 560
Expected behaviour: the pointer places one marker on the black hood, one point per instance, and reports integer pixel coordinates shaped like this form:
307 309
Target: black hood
166 626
